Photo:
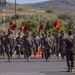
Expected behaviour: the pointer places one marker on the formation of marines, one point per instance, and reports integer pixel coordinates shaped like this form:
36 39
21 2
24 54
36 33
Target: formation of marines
50 45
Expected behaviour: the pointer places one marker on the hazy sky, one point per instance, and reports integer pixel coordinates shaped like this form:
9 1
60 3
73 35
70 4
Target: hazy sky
26 1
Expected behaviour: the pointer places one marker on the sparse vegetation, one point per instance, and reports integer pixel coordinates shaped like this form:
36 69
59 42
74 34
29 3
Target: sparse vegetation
19 9
64 17
49 11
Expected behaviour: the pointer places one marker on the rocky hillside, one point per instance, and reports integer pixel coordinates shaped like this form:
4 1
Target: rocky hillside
58 5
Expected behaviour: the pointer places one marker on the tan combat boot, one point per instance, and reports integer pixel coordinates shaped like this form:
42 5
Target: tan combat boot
63 59
72 69
69 69
28 59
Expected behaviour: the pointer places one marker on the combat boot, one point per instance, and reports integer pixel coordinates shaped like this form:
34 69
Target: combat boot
72 69
47 60
9 60
28 59
69 69
19 56
63 59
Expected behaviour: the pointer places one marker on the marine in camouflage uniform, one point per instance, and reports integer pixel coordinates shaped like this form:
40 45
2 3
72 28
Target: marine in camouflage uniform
57 44
37 39
61 39
34 44
7 43
27 46
69 44
47 47
11 44
42 42
18 45
1 48
50 42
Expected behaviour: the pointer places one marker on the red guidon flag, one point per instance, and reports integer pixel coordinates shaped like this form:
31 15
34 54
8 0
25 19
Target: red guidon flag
40 26
24 27
56 24
12 26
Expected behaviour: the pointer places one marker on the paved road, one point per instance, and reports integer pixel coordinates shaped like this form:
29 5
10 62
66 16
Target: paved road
37 66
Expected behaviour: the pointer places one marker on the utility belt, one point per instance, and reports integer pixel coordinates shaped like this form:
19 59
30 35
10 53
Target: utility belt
70 49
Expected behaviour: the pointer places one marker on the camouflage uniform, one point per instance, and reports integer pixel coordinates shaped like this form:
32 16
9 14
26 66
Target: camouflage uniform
7 44
18 45
26 47
1 48
34 45
11 45
69 45
57 44
61 39
37 39
47 48
42 42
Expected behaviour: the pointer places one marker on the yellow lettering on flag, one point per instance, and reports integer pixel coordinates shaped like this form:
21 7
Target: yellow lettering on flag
12 25
23 27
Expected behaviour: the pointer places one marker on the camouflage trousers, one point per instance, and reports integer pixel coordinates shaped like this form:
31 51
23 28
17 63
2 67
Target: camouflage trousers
8 51
27 52
70 58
